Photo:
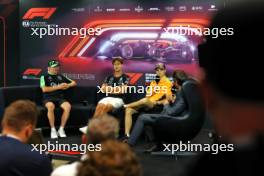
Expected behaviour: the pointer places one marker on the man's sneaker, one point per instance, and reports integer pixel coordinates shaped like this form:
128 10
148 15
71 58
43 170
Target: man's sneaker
124 139
84 129
62 133
53 134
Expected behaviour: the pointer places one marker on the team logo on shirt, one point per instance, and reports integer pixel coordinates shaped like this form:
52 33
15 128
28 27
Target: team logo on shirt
59 78
111 80
52 84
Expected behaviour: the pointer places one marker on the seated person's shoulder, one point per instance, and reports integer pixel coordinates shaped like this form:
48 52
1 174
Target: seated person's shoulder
167 80
107 78
20 150
125 75
43 76
125 79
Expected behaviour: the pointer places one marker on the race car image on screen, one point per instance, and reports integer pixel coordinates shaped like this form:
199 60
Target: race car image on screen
164 48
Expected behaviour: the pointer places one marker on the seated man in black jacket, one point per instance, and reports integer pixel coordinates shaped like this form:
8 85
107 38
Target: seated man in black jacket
173 106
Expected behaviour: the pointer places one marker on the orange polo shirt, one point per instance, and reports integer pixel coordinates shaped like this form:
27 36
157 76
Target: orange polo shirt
157 91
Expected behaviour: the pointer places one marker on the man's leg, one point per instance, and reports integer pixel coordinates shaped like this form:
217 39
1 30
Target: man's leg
142 120
128 120
66 107
142 102
102 109
51 107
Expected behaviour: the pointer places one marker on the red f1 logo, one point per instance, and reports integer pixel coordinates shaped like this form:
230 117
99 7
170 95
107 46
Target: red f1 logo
134 77
32 71
45 13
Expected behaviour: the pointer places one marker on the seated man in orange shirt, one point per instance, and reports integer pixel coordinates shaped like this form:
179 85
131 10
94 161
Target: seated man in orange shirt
158 90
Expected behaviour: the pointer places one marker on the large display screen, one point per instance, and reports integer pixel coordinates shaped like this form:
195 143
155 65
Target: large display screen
85 36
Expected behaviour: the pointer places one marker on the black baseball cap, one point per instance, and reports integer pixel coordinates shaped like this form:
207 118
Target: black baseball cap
53 63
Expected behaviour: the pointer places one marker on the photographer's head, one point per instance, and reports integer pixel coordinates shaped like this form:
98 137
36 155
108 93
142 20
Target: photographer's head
227 63
101 129
20 119
115 159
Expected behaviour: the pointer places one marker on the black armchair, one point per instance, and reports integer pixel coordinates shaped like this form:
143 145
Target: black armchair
183 128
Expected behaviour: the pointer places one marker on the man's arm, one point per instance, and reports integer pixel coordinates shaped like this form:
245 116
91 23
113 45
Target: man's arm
46 88
69 83
51 89
177 107
72 84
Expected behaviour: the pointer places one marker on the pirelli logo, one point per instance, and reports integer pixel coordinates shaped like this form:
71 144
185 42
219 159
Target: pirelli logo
45 13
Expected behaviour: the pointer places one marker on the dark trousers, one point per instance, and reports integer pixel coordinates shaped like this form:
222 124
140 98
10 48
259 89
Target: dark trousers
142 121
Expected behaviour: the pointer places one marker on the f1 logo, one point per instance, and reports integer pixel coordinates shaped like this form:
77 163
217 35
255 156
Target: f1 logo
32 71
45 13
134 77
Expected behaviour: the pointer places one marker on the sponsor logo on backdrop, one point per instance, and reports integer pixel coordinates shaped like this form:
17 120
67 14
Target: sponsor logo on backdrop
124 10
182 8
169 8
212 8
78 9
44 13
154 9
110 9
197 8
41 28
80 76
151 77
31 73
98 9
37 17
139 9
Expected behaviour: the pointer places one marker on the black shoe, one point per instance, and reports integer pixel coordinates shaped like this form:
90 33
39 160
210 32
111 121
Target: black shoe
124 139
152 148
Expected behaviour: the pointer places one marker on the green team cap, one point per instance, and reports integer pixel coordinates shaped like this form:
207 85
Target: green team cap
53 63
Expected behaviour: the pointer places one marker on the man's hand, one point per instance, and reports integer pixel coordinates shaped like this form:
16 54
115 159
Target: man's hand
171 98
63 86
162 102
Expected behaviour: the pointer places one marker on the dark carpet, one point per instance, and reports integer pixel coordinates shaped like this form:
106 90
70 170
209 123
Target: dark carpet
153 165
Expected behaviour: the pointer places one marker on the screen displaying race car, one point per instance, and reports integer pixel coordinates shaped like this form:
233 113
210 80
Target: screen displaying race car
149 46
